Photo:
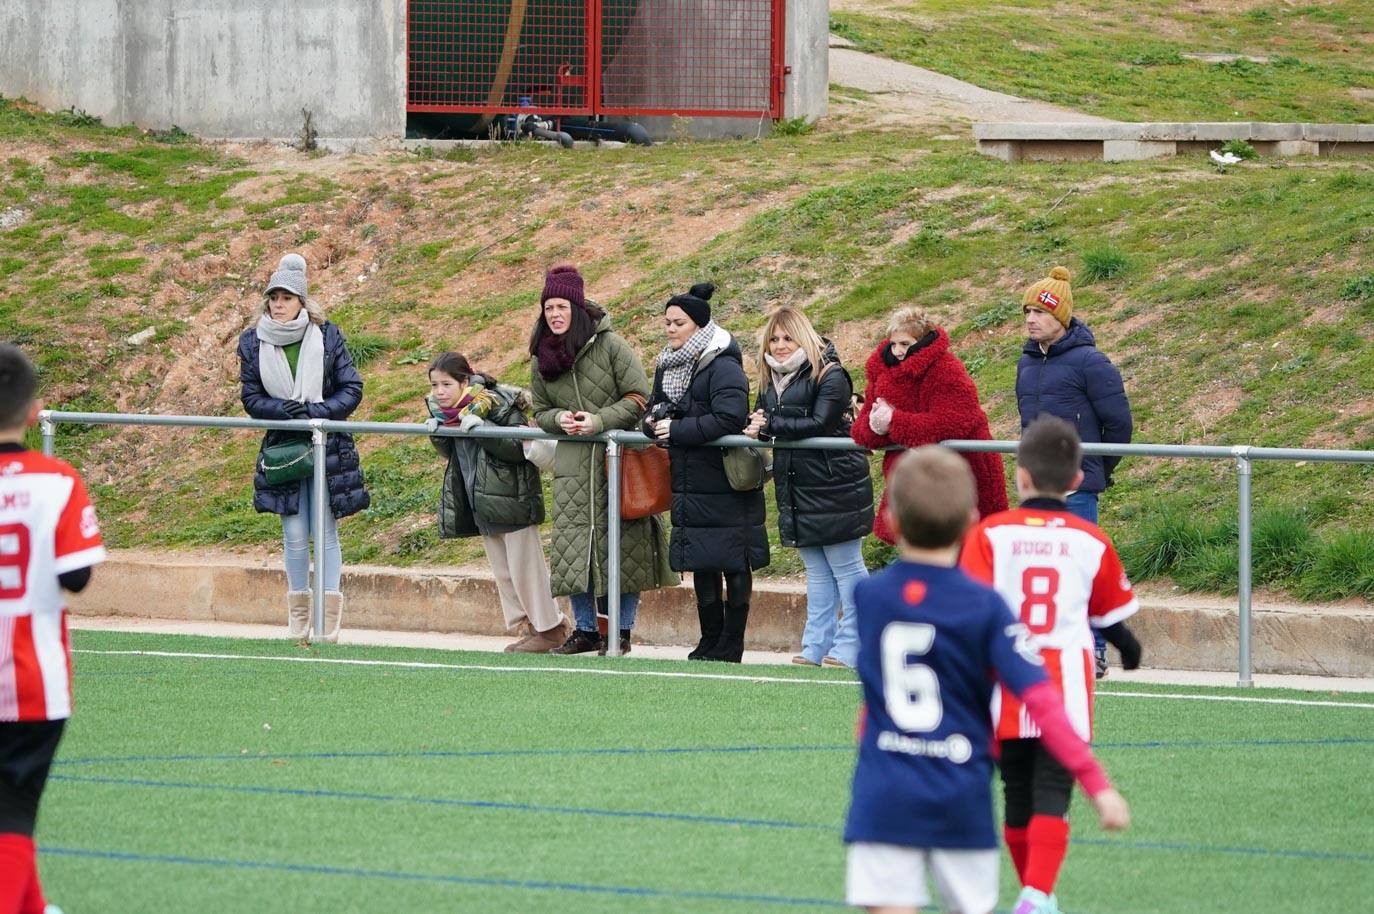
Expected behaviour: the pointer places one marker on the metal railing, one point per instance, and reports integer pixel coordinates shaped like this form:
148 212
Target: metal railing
615 442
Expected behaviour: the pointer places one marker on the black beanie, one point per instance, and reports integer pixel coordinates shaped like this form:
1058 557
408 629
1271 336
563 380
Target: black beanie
697 303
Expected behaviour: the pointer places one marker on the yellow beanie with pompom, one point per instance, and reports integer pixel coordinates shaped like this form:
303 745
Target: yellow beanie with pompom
1052 294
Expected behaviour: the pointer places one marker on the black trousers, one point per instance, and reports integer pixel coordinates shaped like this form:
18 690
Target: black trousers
1033 782
26 754
738 587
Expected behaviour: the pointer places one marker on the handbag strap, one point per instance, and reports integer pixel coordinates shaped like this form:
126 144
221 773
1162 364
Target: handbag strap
638 399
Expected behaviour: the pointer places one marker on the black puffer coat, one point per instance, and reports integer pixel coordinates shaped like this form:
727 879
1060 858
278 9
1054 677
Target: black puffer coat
343 391
715 528
824 497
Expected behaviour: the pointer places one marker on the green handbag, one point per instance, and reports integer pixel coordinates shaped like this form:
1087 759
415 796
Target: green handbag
746 468
286 460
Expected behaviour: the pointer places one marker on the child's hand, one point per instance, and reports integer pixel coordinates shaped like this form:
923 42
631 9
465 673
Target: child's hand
1112 811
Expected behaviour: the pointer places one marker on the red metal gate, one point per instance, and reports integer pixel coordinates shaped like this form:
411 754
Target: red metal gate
696 58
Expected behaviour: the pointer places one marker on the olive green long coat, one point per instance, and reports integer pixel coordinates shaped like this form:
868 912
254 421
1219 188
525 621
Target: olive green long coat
606 369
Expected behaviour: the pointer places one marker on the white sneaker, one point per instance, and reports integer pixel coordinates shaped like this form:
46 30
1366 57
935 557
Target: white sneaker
52 909
1034 901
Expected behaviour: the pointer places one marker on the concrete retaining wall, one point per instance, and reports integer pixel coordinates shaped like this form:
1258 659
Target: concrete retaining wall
1335 642
244 69
216 68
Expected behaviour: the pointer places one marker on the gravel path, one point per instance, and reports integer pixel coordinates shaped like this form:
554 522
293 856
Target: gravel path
907 94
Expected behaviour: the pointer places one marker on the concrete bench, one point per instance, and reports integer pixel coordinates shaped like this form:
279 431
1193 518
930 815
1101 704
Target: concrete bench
1112 141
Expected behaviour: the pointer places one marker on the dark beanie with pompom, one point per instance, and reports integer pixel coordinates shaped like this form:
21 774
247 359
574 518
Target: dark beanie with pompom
697 303
564 282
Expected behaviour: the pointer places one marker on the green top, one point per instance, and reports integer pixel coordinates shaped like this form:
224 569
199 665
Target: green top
293 355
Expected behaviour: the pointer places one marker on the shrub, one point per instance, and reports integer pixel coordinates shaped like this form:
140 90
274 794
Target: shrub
1104 262
1340 567
1358 288
1239 148
366 347
1282 545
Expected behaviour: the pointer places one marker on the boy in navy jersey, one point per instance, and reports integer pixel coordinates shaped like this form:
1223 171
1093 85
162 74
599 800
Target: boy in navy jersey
932 645
49 539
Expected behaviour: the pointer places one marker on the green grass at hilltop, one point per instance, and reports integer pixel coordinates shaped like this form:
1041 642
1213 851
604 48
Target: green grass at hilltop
1123 60
253 784
1237 305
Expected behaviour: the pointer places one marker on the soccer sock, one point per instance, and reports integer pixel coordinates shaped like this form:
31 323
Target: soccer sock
1047 844
1016 846
17 870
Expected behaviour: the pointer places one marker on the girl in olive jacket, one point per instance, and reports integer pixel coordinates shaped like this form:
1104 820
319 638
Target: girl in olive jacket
490 490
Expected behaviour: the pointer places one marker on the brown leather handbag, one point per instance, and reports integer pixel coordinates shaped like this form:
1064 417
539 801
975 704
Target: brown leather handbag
646 484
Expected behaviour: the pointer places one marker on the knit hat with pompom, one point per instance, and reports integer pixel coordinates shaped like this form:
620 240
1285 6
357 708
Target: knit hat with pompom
1053 294
566 283
290 276
697 303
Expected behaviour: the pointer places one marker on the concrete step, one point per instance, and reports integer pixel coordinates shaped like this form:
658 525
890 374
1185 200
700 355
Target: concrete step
1179 632
1122 141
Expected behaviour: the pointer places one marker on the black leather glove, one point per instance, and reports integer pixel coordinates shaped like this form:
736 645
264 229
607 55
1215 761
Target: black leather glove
295 409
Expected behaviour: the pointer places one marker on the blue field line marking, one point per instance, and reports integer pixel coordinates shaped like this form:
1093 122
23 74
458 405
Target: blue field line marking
313 869
311 793
676 817
450 754
671 750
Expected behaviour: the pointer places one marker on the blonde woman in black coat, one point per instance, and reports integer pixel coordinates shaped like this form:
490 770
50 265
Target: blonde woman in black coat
825 498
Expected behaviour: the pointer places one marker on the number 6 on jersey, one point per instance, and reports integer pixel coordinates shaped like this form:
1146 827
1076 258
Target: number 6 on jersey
912 690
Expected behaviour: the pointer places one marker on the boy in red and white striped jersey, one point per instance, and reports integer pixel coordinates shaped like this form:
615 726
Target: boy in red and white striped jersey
1062 577
49 539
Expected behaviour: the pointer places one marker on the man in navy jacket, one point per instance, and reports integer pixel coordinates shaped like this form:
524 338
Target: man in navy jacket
1063 373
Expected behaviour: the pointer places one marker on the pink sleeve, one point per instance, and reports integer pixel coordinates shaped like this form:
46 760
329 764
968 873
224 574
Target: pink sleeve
1046 708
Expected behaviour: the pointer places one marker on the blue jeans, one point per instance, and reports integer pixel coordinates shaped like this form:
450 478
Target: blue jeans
1084 505
295 529
585 608
831 573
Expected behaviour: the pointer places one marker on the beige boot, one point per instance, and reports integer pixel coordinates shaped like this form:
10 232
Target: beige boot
333 616
298 614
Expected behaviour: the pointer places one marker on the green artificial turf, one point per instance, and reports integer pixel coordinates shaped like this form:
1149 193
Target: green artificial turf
489 783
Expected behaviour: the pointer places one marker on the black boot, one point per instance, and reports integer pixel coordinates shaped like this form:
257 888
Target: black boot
711 616
730 646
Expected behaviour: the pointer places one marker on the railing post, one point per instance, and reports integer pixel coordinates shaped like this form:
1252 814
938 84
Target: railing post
319 503
48 429
1243 468
613 448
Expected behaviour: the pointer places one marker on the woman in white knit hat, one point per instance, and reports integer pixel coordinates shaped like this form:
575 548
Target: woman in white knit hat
294 364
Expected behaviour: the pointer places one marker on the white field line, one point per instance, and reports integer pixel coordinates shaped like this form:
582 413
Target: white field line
785 680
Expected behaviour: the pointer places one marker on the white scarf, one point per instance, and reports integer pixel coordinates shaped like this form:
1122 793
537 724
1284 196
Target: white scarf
786 371
308 384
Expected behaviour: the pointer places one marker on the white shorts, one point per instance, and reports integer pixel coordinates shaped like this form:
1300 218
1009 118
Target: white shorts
885 875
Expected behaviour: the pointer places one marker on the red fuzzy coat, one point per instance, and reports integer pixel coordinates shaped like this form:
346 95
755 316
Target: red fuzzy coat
933 399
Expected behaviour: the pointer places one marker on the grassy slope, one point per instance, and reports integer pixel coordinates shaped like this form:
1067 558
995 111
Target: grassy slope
1238 310
1123 60
212 762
